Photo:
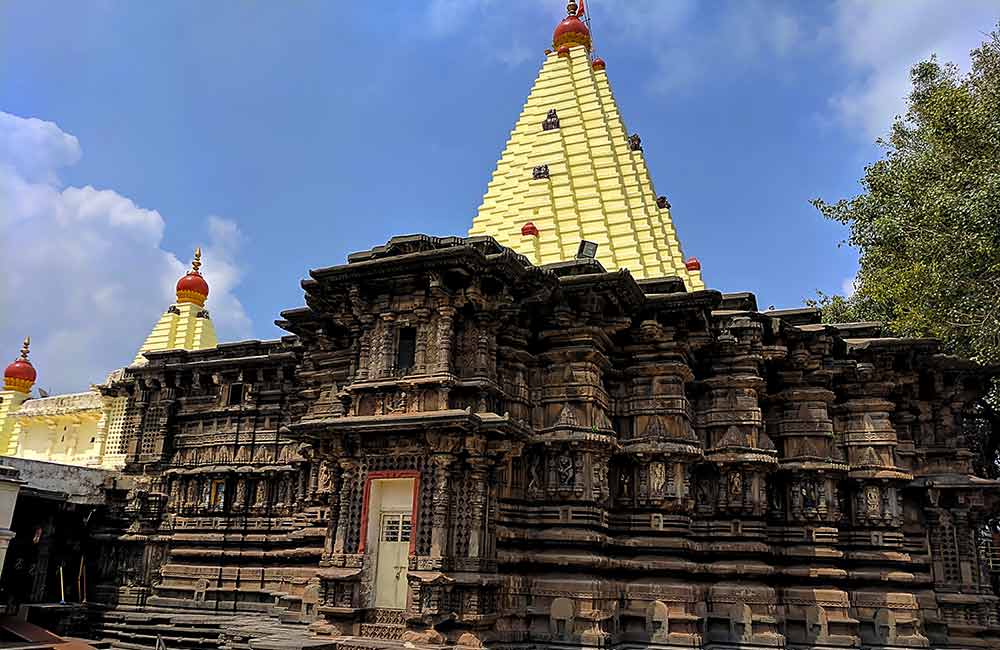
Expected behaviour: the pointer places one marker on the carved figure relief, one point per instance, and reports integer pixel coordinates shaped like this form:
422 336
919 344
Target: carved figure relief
873 501
535 473
657 478
551 120
565 471
735 485
810 498
625 483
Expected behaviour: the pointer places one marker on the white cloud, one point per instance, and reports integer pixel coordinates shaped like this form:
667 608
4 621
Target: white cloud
880 42
848 286
85 273
35 148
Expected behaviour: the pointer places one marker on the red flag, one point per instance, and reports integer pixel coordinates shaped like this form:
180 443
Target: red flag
582 10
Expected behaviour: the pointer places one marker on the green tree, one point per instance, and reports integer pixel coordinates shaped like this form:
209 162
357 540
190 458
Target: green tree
927 222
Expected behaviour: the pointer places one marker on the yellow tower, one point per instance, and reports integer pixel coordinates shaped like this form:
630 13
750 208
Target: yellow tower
186 324
571 172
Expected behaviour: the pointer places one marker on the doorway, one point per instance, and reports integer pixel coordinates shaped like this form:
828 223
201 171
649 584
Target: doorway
390 532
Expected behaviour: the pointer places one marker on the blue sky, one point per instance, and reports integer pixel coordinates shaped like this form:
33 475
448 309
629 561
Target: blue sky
282 136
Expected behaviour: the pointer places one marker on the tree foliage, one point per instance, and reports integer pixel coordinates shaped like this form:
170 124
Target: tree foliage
927 222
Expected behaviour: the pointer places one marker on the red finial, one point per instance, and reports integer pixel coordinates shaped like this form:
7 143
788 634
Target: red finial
599 64
192 287
529 230
692 264
20 375
571 31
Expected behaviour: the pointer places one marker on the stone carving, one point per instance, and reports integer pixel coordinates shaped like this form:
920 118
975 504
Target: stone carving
657 478
657 621
551 121
735 485
540 172
873 501
535 473
561 618
634 142
565 471
625 483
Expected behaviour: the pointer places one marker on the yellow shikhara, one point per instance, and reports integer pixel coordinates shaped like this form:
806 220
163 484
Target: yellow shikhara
186 324
180 328
598 188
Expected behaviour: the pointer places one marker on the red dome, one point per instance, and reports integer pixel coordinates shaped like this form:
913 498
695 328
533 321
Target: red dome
571 31
20 375
692 264
192 287
21 369
599 64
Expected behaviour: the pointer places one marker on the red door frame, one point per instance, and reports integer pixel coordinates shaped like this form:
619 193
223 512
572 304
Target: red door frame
388 474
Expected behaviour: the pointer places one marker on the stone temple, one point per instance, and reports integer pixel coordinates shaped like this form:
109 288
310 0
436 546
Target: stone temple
496 441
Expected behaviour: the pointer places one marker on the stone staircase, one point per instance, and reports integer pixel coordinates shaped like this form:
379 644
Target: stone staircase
139 630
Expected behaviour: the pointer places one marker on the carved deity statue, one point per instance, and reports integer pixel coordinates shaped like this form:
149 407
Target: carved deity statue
564 469
735 484
625 483
657 477
534 473
873 501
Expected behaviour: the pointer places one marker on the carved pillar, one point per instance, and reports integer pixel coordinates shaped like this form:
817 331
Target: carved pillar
365 343
333 474
422 325
385 344
348 474
445 334
478 473
441 503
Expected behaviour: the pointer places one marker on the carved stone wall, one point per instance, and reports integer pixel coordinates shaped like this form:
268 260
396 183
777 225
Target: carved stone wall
599 462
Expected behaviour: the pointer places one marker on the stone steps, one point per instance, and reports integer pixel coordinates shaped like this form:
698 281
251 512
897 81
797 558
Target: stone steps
139 630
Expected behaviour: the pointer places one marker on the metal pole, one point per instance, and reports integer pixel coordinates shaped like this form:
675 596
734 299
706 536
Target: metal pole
62 587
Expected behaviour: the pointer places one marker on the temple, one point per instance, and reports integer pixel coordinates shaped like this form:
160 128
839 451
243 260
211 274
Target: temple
511 440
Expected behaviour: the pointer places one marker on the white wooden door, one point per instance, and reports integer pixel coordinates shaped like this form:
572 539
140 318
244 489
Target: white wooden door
395 529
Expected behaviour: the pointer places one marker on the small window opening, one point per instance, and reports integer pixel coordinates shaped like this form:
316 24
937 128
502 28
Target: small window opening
235 394
406 351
